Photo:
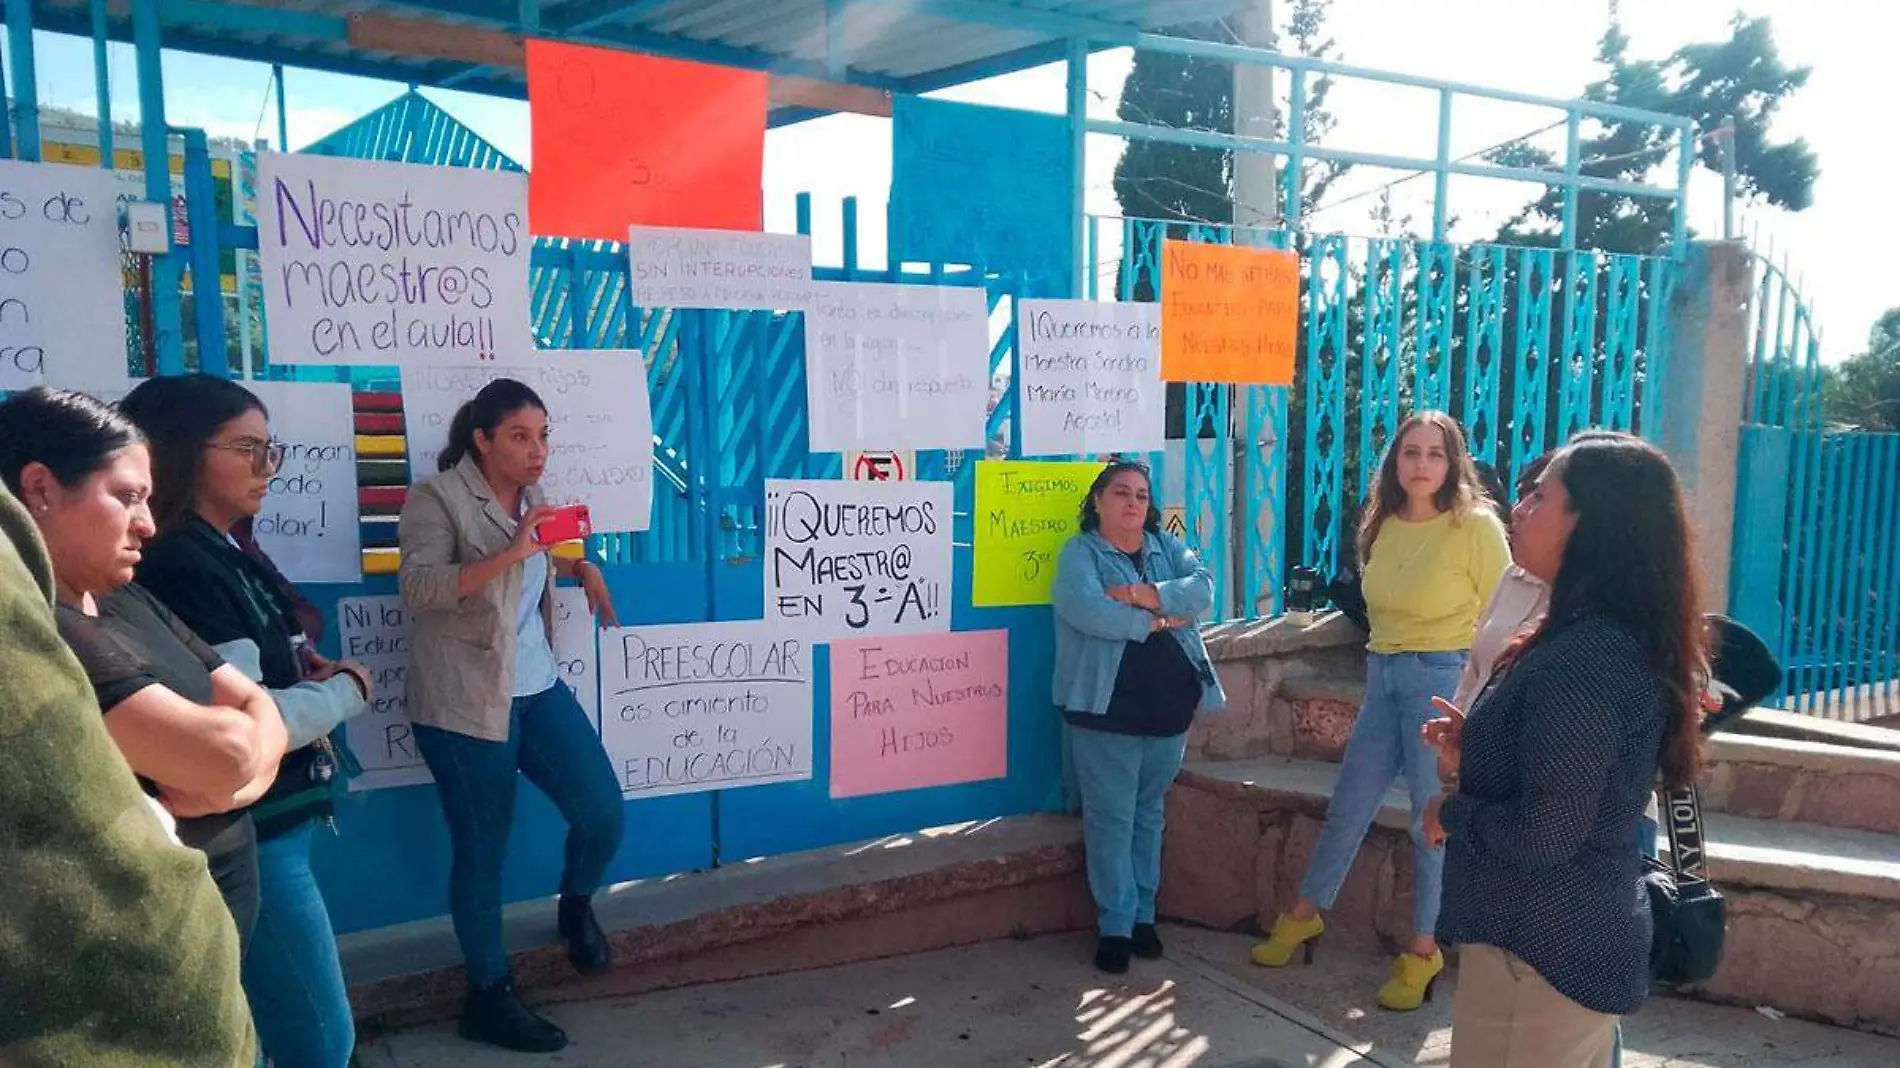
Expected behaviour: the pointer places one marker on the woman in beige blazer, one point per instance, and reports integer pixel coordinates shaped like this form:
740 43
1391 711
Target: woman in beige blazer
487 701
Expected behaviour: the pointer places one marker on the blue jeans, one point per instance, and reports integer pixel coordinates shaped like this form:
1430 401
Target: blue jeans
291 973
553 743
1123 779
1645 847
1385 744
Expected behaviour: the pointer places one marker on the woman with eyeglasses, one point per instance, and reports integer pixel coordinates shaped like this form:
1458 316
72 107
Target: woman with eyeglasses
201 736
213 458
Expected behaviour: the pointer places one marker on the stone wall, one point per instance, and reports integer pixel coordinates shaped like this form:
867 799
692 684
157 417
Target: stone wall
1804 782
1291 690
1814 920
1236 852
1237 849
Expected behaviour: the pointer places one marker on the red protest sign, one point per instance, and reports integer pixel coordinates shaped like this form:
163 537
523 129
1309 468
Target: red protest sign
622 139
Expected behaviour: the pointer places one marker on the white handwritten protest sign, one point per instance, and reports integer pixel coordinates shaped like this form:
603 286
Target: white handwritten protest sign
705 706
1091 377
600 426
375 632
309 523
675 268
62 295
844 559
574 652
387 263
897 366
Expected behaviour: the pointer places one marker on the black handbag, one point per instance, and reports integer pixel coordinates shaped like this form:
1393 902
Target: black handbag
1688 911
1345 593
1689 914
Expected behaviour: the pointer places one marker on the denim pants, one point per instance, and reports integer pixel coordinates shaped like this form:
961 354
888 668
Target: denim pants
291 973
1645 847
1123 779
554 744
1385 744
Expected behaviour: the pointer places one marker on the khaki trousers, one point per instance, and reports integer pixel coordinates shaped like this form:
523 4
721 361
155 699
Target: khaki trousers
1506 1016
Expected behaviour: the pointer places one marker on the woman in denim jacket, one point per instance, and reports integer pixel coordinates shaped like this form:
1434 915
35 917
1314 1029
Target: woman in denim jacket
1131 672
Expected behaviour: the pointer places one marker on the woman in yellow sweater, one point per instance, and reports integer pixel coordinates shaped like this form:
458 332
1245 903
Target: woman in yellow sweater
1433 549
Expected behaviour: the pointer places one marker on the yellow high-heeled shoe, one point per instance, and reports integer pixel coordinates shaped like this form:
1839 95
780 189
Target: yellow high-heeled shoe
1288 935
1413 978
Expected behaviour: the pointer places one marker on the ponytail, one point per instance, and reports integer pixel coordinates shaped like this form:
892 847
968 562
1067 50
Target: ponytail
461 437
485 412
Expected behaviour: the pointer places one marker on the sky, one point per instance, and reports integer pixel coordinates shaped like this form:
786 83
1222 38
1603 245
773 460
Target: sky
1544 47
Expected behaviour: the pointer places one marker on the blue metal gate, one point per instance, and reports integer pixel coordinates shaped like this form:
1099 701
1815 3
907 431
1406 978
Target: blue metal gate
1817 524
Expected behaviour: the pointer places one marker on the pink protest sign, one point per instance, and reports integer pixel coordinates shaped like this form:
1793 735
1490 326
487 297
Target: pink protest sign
918 710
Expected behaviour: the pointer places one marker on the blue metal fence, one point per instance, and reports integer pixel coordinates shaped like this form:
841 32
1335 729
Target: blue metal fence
1525 346
1817 525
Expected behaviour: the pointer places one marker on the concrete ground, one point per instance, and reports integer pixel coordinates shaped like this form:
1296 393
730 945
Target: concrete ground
1038 1004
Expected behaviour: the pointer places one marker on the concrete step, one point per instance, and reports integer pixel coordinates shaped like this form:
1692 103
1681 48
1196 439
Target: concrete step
1814 911
1775 723
1803 782
1774 766
947 886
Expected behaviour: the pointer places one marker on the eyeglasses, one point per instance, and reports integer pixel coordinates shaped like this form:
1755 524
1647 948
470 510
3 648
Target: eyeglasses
266 456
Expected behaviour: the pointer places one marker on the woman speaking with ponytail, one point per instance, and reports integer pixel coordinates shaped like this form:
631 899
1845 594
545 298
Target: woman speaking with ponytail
487 701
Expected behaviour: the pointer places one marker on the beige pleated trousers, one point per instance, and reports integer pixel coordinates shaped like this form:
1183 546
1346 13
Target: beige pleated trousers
1506 1016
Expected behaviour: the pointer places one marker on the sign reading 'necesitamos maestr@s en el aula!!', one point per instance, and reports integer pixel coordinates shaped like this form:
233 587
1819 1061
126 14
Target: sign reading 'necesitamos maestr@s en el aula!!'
384 263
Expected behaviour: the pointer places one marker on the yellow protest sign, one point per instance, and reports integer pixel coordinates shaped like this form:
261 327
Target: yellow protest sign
1228 313
1025 510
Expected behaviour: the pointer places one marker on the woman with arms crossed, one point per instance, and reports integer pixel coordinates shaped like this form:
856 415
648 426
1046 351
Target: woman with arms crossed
202 737
1131 673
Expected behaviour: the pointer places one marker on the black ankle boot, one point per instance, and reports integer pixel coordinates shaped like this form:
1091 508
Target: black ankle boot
1112 954
587 946
496 1016
1147 942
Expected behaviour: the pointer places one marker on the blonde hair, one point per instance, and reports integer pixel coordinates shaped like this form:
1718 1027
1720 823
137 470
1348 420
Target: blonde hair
1461 492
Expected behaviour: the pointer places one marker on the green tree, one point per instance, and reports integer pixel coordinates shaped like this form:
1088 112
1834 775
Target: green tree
1864 391
1743 78
1185 184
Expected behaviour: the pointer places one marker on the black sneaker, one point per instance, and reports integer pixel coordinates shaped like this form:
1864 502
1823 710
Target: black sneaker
1112 954
496 1016
587 946
1147 942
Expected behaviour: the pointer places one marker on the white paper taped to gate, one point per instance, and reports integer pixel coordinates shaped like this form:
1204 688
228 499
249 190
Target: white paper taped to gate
310 522
390 263
844 559
705 706
574 652
1091 377
897 366
62 290
375 632
679 268
600 427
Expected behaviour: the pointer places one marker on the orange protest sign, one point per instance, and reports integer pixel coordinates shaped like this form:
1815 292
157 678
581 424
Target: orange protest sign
630 140
1228 313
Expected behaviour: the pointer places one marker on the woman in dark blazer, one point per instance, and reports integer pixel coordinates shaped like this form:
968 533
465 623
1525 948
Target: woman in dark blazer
1558 756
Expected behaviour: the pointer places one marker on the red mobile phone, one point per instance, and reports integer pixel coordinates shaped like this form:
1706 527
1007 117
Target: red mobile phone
569 523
